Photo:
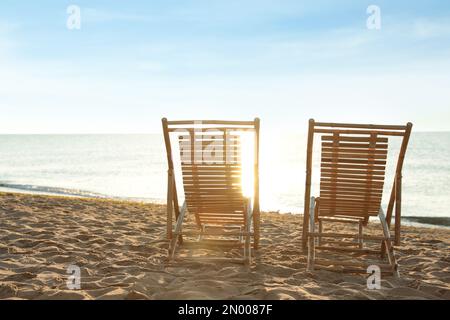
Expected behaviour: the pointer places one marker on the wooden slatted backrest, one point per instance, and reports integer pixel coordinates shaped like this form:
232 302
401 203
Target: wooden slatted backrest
352 174
211 167
212 175
352 170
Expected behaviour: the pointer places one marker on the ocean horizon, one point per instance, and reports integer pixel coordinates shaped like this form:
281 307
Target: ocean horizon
134 166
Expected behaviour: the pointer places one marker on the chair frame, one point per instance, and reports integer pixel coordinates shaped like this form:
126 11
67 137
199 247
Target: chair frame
312 205
175 236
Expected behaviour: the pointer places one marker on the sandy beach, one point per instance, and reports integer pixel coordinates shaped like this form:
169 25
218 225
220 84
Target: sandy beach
121 250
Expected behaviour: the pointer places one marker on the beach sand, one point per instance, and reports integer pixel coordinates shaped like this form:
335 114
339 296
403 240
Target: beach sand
121 250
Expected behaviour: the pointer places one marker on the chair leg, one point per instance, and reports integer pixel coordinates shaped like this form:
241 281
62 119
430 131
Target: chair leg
248 241
360 233
178 228
320 231
203 228
247 250
311 237
383 250
388 244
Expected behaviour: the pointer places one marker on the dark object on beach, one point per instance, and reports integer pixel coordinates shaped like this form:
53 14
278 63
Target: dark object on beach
437 221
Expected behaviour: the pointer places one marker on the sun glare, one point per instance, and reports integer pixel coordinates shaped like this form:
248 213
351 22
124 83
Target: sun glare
248 156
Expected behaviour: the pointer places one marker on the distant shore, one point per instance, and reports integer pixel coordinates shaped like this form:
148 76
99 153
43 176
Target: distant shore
121 249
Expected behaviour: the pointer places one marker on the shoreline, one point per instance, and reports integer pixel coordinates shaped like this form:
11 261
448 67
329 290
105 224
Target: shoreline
418 221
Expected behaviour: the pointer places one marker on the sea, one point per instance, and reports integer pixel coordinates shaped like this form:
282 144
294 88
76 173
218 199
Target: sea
134 167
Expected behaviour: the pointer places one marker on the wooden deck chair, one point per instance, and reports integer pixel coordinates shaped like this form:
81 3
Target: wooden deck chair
353 162
211 169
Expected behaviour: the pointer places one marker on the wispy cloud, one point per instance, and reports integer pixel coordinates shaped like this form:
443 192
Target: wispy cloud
153 66
427 28
6 41
98 15
6 26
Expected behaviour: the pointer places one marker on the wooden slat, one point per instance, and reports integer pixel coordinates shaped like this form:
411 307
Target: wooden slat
350 210
355 145
358 197
232 211
351 182
235 205
347 207
213 189
232 206
225 180
352 161
211 122
329 202
213 184
343 206
207 139
210 203
216 196
367 171
365 176
356 193
212 161
206 136
233 217
356 150
220 215
230 174
223 168
351 189
216 193
360 132
223 221
212 130
347 155
189 179
345 190
216 207
349 213
360 126
338 166
215 151
357 205
342 220
216 178
215 200
209 185
354 139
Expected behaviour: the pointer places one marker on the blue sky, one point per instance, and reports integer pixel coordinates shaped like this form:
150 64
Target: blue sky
133 62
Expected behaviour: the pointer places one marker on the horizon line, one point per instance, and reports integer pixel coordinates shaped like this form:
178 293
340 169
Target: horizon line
146 133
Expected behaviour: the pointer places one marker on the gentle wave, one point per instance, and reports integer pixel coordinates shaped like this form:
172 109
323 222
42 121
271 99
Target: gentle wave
45 190
52 190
